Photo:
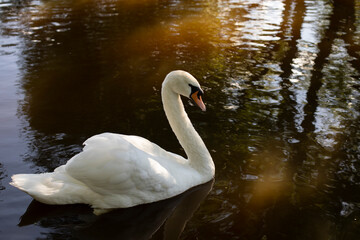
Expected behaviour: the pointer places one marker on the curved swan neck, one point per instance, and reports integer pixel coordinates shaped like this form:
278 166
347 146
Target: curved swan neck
198 155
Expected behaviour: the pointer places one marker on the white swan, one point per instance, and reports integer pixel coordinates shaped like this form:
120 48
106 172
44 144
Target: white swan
119 171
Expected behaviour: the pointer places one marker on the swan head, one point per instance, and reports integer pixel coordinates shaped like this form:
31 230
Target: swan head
183 83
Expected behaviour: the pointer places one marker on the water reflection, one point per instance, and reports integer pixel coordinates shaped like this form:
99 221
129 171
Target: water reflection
281 81
161 220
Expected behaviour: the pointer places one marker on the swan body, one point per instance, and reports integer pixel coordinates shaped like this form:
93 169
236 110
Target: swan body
119 171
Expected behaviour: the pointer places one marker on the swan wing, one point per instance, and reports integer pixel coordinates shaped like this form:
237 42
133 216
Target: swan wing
125 170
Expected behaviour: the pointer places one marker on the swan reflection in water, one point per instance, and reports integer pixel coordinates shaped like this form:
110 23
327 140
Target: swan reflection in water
140 222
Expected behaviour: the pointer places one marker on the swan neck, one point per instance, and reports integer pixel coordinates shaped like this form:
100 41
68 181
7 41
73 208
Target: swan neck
195 149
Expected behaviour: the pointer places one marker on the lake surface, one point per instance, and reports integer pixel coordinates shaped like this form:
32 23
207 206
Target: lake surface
282 89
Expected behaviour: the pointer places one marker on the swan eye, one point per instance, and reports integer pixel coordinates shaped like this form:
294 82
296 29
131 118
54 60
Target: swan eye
195 95
194 90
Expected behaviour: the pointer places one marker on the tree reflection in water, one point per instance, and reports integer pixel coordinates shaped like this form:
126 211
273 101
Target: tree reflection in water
281 81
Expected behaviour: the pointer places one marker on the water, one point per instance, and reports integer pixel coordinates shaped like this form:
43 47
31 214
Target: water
281 81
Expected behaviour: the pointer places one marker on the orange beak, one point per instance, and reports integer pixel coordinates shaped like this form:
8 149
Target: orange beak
198 100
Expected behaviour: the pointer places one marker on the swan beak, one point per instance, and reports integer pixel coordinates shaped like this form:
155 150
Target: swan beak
196 97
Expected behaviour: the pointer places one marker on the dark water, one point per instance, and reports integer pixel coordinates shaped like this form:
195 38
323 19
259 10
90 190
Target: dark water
282 88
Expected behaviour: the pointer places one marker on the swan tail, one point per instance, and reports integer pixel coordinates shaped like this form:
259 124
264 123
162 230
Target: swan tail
36 185
51 188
